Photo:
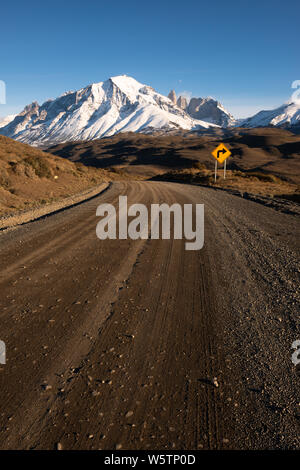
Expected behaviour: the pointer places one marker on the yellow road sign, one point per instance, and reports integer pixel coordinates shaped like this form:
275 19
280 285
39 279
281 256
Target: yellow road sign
221 153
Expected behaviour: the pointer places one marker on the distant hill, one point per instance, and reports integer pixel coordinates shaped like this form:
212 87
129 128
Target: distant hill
271 150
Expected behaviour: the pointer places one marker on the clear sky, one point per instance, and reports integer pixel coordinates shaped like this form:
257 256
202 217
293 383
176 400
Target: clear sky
244 53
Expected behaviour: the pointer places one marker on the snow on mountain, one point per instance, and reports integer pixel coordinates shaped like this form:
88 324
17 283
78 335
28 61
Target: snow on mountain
287 114
210 110
207 109
119 104
7 120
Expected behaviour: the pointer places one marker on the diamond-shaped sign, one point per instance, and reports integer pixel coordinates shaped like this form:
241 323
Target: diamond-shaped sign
221 153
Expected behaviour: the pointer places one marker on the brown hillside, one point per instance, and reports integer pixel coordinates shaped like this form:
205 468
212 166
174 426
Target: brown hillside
267 150
30 177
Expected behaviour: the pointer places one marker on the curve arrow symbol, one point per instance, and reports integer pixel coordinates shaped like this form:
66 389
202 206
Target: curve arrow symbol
221 151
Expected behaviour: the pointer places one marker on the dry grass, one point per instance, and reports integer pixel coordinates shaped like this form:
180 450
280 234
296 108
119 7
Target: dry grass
30 177
263 162
256 183
268 150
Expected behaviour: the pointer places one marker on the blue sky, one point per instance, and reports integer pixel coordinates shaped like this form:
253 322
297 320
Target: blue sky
244 53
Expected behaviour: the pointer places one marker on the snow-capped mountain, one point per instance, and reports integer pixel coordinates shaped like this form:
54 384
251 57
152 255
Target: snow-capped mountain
287 114
7 120
119 104
205 109
210 110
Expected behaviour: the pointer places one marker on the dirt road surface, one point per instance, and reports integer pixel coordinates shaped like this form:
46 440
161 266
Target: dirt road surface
123 344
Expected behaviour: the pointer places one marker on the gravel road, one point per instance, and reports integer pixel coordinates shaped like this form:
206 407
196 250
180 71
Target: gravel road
123 344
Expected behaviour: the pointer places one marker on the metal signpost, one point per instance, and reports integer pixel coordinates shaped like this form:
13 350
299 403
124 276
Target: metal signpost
221 153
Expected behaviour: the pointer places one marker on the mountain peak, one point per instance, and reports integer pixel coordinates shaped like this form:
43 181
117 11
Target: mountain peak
5 121
286 115
119 104
207 109
182 102
172 96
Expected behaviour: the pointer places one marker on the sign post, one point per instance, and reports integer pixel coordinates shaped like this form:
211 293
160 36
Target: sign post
221 153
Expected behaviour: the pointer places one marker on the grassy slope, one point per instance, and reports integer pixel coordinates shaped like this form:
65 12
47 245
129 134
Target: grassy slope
30 177
257 183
